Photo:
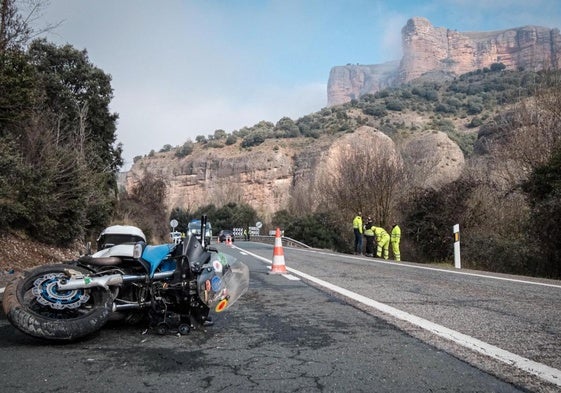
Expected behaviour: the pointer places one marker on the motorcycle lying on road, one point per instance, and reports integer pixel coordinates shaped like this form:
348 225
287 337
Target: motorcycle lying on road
172 286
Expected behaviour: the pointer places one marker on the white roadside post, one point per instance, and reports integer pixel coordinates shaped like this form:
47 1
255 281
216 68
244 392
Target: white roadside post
457 263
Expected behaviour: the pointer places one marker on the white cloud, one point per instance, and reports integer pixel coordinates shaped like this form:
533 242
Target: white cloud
391 38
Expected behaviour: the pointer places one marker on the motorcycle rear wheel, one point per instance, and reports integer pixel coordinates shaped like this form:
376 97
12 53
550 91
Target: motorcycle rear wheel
34 305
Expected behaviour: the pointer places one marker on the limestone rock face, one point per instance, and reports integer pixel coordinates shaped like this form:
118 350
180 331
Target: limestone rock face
260 178
427 48
441 51
433 159
352 81
365 136
265 176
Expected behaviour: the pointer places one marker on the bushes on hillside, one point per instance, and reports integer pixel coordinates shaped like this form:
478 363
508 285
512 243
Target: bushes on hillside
58 134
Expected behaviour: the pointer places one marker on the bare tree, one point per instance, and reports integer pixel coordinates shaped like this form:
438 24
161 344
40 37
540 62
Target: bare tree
303 197
13 29
18 20
363 177
527 135
387 175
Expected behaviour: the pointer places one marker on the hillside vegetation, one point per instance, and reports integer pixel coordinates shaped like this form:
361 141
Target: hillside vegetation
457 106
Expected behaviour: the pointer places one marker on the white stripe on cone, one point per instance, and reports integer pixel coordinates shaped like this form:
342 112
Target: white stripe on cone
279 266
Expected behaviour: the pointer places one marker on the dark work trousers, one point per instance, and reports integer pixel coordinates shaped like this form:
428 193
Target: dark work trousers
369 245
358 241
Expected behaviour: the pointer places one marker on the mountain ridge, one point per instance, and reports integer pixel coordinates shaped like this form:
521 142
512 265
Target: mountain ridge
428 49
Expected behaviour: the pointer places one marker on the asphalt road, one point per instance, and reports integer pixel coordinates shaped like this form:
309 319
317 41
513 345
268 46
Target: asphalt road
291 334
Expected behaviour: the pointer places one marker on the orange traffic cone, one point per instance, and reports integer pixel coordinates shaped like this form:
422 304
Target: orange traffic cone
278 256
228 241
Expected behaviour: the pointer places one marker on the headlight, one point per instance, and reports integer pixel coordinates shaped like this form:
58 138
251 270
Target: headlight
137 251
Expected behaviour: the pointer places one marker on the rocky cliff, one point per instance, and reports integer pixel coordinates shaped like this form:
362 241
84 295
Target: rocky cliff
261 177
352 81
438 50
265 176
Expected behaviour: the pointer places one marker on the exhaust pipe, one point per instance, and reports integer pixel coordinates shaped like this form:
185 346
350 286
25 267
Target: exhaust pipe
90 282
106 281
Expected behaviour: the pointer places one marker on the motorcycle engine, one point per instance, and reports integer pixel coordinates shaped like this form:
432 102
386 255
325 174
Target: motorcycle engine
174 308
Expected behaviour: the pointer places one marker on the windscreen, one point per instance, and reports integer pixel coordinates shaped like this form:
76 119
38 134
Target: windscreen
113 239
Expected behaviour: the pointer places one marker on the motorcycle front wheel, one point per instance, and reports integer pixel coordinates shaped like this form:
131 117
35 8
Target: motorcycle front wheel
35 305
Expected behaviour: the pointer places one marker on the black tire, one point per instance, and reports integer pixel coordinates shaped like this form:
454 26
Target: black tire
184 329
76 313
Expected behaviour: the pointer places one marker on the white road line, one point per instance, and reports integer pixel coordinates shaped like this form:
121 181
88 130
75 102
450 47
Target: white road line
437 269
288 276
540 370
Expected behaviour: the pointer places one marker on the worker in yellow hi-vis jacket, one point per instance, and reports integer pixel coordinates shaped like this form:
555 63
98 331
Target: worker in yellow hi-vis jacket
383 240
395 237
357 229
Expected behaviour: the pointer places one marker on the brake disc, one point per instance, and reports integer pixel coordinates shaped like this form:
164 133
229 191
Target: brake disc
47 293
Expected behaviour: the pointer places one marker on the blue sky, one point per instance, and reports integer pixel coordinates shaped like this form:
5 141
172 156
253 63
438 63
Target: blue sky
182 68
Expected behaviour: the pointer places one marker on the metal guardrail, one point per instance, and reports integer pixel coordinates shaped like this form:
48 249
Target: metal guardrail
287 241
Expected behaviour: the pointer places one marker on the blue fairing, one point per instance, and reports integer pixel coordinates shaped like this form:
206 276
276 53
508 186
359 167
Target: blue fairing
155 255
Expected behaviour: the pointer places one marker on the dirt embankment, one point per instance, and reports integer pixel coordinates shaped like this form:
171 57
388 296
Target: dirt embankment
18 253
